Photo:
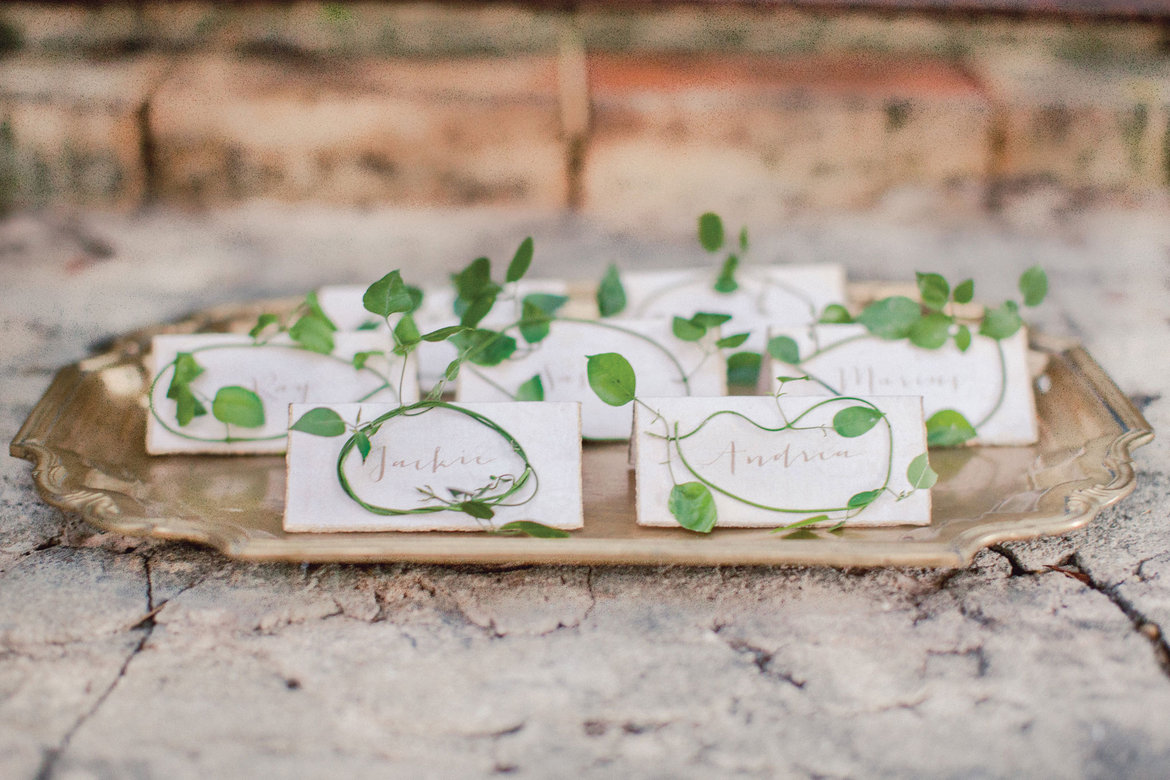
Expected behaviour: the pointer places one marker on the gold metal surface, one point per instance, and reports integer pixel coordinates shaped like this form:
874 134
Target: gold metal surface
85 440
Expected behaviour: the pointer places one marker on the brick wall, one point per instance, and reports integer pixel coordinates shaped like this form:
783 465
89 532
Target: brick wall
620 113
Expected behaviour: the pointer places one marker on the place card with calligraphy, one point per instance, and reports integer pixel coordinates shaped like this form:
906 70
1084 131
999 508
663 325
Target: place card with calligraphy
342 303
435 466
989 384
225 393
764 462
763 296
554 369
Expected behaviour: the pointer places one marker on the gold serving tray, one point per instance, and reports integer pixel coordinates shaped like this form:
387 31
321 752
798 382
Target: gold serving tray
85 440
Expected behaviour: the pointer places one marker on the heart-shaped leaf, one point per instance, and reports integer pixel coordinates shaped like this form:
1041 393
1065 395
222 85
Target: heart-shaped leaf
477 509
733 341
187 406
1034 286
484 347
920 474
313 333
863 499
934 290
321 421
687 330
854 421
834 314
931 331
520 261
710 231
1001 322
612 378
529 528
948 428
693 506
237 405
963 338
964 291
611 295
890 318
784 349
532 390
362 441
388 295
186 370
708 320
743 368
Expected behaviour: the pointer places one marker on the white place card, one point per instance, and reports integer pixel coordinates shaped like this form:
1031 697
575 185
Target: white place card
279 372
989 384
804 471
663 364
767 295
343 304
419 462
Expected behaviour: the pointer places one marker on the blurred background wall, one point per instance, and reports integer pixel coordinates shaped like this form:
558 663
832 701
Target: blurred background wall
632 112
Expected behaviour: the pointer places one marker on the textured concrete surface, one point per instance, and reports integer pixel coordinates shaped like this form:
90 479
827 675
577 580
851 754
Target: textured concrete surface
121 657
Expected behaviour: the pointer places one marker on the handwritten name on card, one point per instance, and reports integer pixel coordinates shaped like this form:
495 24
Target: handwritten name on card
664 365
343 304
420 461
801 468
767 295
989 384
278 372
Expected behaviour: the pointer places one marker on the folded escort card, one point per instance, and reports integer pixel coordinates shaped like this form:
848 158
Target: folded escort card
521 460
343 305
225 393
989 384
770 462
765 295
664 364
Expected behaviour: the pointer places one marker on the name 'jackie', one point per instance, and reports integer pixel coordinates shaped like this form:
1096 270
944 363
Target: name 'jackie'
785 458
378 462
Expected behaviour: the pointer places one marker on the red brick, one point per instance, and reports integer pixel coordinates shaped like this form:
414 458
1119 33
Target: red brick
754 135
406 131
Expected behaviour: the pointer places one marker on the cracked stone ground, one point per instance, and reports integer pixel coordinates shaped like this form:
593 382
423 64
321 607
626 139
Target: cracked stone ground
123 657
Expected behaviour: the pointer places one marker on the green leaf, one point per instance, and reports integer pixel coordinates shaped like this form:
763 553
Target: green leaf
484 347
321 421
534 322
801 524
477 309
693 506
964 291
948 428
835 314
725 282
733 341
710 231
387 296
520 261
687 330
784 349
474 280
237 405
855 421
1034 286
187 406
890 318
416 298
313 333
963 338
452 370
743 368
1002 322
362 441
314 307
612 378
611 295
262 322
369 325
708 320
934 290
442 334
931 331
547 303
407 332
360 358
186 369
864 499
477 509
743 239
532 390
920 474
529 528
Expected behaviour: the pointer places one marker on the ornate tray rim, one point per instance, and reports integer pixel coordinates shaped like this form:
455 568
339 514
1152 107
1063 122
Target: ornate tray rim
101 509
